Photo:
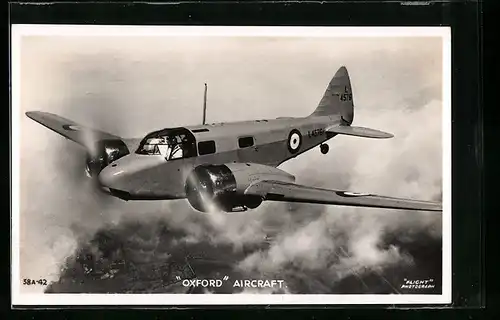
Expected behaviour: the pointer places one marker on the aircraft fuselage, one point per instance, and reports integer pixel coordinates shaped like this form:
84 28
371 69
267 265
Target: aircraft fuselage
268 142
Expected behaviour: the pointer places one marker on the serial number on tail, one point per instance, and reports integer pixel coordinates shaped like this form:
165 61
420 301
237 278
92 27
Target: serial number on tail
346 97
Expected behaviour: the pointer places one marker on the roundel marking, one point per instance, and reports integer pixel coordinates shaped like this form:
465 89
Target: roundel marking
70 127
294 141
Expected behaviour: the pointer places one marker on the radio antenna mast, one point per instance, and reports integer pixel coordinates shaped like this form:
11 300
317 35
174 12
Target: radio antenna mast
205 105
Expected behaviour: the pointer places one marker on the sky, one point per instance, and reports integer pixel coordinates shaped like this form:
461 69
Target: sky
129 86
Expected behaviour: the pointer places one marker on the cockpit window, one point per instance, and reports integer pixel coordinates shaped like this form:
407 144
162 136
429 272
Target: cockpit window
170 145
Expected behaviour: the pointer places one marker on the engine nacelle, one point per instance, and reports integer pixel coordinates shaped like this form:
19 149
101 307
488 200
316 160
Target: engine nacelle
223 186
106 151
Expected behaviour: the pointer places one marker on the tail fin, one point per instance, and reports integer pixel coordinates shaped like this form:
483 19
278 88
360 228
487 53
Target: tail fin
337 99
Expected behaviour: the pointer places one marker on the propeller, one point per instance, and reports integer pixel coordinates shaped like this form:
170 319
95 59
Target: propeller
207 202
91 184
100 151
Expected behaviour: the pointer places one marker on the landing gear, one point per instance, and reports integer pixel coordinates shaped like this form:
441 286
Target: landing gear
324 148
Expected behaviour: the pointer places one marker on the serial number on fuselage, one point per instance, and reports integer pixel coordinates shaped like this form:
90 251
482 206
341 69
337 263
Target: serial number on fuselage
315 132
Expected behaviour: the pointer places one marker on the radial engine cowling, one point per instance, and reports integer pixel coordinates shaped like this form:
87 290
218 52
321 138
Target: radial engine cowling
211 187
104 152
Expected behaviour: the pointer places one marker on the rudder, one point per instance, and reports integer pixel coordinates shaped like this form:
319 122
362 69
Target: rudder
337 99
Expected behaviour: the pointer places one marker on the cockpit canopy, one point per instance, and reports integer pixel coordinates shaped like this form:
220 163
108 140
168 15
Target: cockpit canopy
175 143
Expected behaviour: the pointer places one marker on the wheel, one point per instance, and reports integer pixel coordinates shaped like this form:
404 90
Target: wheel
324 148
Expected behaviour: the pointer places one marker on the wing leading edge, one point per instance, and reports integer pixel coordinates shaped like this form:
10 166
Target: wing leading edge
67 128
290 192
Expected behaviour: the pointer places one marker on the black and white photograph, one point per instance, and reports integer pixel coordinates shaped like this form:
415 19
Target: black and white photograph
183 165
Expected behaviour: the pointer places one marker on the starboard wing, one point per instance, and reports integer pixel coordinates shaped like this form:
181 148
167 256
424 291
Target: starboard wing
67 128
290 192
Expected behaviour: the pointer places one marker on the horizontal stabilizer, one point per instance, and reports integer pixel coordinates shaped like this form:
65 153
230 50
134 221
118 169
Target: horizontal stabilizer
359 132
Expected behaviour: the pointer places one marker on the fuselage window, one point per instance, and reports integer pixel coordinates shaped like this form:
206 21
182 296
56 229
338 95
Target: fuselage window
200 130
245 142
206 147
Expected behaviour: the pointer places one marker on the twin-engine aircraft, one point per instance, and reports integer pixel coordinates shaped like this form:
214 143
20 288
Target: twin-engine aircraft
226 166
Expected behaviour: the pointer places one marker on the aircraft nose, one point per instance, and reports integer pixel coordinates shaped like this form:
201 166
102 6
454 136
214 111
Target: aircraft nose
124 173
111 176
